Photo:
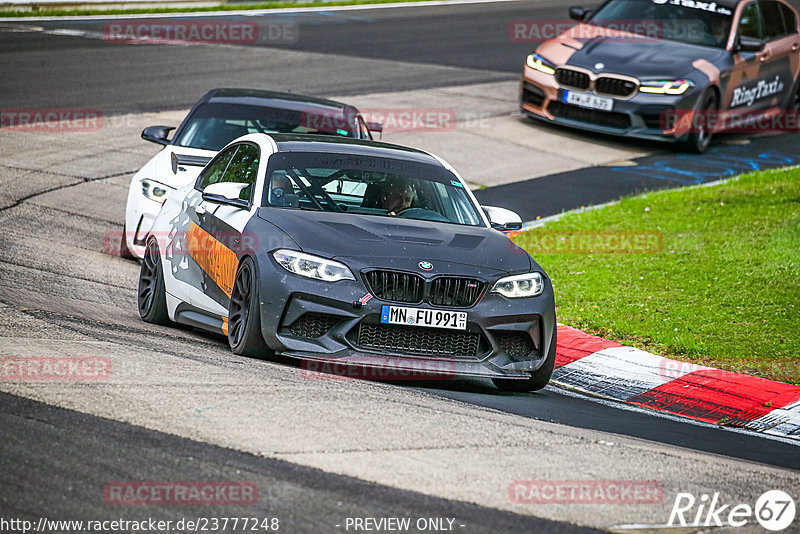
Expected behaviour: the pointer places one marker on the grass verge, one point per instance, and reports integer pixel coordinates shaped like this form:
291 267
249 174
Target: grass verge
708 275
161 10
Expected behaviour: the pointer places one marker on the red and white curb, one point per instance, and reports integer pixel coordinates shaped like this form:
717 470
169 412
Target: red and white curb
610 370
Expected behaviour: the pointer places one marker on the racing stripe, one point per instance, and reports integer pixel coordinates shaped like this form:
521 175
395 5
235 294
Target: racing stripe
217 260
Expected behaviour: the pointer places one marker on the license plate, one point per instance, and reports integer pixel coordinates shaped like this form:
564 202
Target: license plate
586 100
420 317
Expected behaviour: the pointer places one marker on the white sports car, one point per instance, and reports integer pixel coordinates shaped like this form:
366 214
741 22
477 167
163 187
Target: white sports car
218 118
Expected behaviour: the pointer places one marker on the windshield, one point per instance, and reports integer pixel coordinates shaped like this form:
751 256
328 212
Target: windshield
686 21
212 126
368 185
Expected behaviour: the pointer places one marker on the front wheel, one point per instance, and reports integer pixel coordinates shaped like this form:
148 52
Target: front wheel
538 380
699 138
794 103
152 292
244 317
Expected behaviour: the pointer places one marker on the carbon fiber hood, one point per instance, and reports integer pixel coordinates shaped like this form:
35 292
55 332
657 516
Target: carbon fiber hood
371 241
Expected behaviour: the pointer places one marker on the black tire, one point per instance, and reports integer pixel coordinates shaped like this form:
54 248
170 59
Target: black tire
794 101
124 251
244 317
537 380
152 294
699 139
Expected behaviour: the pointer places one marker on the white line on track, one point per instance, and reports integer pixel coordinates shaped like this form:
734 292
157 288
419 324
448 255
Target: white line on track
255 12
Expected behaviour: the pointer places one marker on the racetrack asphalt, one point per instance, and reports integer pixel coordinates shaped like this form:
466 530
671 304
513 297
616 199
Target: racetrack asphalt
60 293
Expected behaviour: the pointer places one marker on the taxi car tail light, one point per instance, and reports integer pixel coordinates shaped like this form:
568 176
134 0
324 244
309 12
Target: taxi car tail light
665 87
520 286
312 266
537 62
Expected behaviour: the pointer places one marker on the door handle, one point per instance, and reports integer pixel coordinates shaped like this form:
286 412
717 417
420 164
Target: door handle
200 209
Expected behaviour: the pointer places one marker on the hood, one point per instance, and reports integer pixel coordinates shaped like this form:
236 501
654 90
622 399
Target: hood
622 54
187 171
364 241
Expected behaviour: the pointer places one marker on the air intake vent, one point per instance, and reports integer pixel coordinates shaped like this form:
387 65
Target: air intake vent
313 325
614 87
416 340
515 344
455 292
573 78
395 286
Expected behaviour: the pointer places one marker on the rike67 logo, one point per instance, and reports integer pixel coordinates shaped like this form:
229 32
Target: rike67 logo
774 510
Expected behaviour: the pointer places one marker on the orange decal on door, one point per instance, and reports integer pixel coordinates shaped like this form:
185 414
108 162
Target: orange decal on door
218 261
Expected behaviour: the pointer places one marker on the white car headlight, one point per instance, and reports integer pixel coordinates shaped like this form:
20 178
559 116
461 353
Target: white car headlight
665 87
155 191
537 62
312 266
520 286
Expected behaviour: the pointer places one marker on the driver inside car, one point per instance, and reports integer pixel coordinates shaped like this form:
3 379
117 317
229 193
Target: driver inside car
397 196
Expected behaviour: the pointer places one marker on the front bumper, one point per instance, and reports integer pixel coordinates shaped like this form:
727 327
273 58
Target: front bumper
325 322
140 214
644 116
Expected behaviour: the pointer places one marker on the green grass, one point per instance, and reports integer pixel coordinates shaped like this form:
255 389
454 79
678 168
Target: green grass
723 291
227 7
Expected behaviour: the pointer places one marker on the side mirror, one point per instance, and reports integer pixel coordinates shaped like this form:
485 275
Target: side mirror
748 44
578 13
226 193
502 219
157 134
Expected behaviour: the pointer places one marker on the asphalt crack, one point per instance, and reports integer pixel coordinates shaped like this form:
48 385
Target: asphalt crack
79 180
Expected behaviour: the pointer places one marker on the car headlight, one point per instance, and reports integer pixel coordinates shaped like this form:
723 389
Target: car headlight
155 191
520 286
665 87
312 266
537 62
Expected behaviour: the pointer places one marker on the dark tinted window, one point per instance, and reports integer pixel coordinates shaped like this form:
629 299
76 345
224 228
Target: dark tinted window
789 19
214 170
243 169
750 24
706 26
368 186
214 125
773 19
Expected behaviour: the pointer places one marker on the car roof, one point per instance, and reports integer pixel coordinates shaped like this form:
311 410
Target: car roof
260 97
350 146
